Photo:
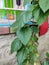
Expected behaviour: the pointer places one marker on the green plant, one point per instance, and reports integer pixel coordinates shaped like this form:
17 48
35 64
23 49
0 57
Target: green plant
26 42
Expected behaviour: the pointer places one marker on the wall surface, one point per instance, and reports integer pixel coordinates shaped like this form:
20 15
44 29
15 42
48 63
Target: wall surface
43 47
5 45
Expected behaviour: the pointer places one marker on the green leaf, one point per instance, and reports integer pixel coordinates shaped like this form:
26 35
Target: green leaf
44 5
45 63
32 59
36 12
22 56
16 45
24 35
26 2
47 55
24 63
18 12
23 18
32 7
14 25
39 16
35 29
42 17
34 38
33 48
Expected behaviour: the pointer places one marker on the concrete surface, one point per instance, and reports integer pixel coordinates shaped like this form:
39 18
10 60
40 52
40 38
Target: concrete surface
5 45
43 45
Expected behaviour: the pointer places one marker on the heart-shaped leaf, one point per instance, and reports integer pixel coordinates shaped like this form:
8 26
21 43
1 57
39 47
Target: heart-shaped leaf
44 5
16 45
22 55
24 35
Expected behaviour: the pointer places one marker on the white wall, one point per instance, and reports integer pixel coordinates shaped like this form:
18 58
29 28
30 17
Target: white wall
1 3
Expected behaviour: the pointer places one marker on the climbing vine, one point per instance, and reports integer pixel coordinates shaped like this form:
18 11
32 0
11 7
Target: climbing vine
26 43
